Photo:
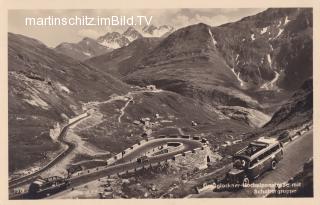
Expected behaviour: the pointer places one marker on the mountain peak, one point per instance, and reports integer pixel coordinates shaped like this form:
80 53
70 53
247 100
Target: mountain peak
130 29
87 39
132 34
84 49
153 31
148 29
113 40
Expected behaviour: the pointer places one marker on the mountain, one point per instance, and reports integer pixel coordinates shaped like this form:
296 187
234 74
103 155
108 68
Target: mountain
132 34
82 50
113 40
297 110
271 50
253 62
153 31
188 62
116 40
89 48
46 88
121 61
227 79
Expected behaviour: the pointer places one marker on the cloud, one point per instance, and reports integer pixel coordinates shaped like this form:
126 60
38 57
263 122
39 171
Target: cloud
183 20
88 33
176 17
210 16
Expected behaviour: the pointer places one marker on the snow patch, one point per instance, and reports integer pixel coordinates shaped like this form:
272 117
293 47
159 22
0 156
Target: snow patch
286 20
87 54
237 57
113 45
264 30
279 24
64 88
37 101
130 38
252 37
212 37
270 85
238 77
269 60
159 32
280 31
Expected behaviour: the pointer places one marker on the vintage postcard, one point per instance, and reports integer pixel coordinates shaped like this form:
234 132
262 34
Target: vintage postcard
172 102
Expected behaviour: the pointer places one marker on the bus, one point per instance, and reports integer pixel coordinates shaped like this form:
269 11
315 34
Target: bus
43 187
255 159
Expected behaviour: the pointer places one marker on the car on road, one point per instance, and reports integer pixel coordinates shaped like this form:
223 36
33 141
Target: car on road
143 159
253 160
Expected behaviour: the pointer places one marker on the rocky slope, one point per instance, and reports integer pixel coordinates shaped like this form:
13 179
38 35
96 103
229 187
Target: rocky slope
132 34
113 40
270 50
297 110
188 62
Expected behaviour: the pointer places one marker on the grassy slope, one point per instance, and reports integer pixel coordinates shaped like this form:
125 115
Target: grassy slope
37 99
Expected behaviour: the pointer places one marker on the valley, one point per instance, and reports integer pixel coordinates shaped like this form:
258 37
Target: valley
156 112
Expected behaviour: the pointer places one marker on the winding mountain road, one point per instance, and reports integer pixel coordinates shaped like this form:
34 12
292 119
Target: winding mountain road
129 162
70 146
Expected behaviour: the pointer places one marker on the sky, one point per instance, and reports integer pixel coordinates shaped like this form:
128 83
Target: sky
177 18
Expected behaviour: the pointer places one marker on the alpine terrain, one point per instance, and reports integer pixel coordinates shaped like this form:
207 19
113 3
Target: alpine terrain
159 112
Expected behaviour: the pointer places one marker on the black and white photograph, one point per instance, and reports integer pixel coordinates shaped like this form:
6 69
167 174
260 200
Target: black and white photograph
175 103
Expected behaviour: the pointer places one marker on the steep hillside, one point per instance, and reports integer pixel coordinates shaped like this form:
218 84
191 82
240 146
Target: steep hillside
260 58
298 109
46 88
188 62
122 61
270 50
